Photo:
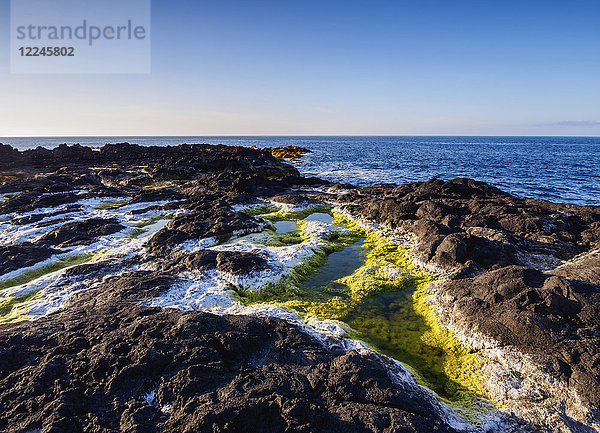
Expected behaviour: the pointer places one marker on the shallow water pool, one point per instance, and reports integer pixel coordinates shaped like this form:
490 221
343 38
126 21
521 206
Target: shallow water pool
321 217
338 265
387 321
390 323
282 227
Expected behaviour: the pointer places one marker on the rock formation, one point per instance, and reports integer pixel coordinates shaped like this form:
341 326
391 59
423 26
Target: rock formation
518 280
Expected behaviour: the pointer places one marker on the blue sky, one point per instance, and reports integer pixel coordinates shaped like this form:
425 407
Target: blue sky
333 67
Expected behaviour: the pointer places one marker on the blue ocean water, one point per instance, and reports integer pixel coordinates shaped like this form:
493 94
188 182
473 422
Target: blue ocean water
559 169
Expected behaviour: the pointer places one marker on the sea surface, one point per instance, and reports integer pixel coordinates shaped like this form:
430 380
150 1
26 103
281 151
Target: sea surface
559 169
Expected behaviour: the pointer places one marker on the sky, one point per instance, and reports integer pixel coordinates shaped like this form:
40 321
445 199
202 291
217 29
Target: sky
426 67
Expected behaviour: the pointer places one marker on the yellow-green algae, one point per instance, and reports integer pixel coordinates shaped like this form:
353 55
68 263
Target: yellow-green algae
9 305
274 214
151 220
290 288
32 274
283 239
384 302
10 310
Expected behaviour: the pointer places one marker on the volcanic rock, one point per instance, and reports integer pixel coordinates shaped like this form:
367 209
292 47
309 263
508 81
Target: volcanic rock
105 364
496 228
520 274
218 222
551 318
81 232
14 257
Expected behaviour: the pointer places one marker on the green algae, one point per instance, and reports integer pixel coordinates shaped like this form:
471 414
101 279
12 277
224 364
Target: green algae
289 288
283 239
151 220
136 233
460 363
338 265
401 325
260 210
384 301
335 241
111 204
35 273
10 310
282 215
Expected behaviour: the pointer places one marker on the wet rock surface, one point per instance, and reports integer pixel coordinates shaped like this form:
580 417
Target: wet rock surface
521 273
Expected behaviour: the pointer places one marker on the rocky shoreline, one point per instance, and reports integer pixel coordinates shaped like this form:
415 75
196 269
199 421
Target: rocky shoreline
96 244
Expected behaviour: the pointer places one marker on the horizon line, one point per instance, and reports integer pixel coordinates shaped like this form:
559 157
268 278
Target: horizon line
300 135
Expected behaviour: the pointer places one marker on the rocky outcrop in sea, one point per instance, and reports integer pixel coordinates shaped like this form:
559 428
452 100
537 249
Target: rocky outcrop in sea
213 288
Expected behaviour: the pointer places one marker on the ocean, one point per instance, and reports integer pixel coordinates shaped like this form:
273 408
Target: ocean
559 169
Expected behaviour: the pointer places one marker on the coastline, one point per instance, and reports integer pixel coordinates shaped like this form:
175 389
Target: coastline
520 165
462 230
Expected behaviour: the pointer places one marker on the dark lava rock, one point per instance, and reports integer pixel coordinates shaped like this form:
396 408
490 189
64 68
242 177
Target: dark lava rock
33 218
13 257
552 318
51 183
488 243
28 201
226 172
81 232
154 195
104 364
231 262
295 199
107 363
220 222
8 155
488 227
100 269
160 163
584 268
93 365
